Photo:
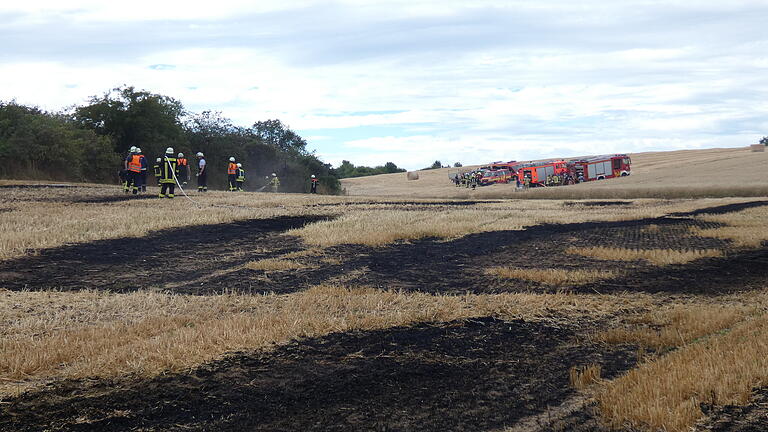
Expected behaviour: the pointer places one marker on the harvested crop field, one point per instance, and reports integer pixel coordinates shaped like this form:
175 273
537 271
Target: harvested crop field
286 312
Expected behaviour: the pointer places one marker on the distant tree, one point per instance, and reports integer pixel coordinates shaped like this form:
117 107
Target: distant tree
435 165
764 141
39 145
457 165
348 169
133 117
278 135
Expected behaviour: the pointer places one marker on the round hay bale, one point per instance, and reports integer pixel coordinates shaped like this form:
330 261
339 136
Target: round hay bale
413 175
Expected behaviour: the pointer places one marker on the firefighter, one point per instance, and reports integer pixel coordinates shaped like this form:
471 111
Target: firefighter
202 173
555 180
126 174
133 165
156 167
232 174
168 169
183 165
274 183
527 181
313 184
143 174
240 177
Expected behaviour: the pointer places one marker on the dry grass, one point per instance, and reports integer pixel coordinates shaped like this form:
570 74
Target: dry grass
654 256
379 226
584 376
669 175
676 324
745 228
275 264
556 277
665 394
48 335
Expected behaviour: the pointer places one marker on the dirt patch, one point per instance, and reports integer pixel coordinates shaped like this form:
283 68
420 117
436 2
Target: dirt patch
407 204
480 374
164 257
730 418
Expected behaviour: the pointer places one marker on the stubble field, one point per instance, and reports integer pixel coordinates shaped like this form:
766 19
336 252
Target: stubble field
289 312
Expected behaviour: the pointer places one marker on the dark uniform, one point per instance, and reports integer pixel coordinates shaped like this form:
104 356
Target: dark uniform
313 185
202 175
134 173
240 178
183 165
143 174
232 176
167 171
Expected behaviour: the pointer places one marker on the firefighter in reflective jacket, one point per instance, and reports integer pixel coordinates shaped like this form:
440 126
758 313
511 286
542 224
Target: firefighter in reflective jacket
274 183
168 170
183 169
232 174
133 165
313 184
158 164
240 176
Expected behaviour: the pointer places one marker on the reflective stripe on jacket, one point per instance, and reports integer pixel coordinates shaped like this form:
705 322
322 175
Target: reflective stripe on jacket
232 169
135 163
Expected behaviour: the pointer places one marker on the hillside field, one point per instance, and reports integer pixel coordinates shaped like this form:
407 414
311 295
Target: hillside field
711 172
282 312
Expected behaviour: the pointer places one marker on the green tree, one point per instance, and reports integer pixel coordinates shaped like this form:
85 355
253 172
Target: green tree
134 118
457 165
764 141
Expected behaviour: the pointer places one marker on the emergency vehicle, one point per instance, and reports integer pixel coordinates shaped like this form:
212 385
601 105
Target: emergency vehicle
495 176
538 172
602 167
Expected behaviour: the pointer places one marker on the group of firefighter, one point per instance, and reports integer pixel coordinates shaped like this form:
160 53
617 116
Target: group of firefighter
171 170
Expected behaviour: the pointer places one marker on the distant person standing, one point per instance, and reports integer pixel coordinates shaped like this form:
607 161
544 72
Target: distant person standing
313 184
183 165
240 177
167 173
202 173
158 164
274 183
232 174
133 165
143 175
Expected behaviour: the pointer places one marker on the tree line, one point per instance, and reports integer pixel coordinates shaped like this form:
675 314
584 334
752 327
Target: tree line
87 143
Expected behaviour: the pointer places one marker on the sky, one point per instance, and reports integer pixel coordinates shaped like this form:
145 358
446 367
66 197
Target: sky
412 81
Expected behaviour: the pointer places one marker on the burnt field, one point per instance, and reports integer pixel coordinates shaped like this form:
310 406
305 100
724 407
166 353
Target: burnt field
254 324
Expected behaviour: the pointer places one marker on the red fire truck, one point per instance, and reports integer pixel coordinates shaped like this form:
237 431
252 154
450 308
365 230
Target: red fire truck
538 172
602 167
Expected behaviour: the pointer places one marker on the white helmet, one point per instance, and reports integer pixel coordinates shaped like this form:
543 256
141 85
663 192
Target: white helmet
239 165
313 176
133 149
274 175
169 150
231 158
159 160
181 155
199 154
138 150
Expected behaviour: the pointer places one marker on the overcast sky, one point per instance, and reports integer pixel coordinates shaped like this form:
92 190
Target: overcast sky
412 81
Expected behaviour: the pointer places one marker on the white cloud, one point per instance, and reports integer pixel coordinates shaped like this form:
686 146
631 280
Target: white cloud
457 81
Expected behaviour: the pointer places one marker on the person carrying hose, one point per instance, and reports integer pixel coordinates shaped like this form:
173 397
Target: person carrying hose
167 173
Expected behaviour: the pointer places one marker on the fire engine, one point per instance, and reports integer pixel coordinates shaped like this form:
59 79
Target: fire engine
538 172
496 176
602 167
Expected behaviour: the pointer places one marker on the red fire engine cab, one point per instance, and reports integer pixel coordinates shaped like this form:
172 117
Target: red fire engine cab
602 167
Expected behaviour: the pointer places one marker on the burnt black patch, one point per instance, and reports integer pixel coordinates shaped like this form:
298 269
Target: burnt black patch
478 374
115 198
723 209
732 418
169 256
